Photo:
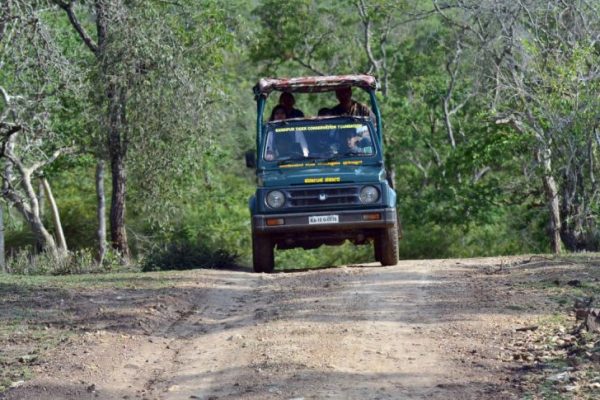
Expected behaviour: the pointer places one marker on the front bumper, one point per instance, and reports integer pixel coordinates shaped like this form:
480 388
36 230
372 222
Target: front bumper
348 221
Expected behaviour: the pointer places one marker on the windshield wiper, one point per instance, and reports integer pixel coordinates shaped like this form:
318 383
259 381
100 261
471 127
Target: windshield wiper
288 160
342 155
352 153
336 157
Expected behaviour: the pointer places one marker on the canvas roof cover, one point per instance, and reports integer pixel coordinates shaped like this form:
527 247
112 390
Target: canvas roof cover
308 84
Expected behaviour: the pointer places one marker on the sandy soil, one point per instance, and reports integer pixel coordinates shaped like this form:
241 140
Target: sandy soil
419 330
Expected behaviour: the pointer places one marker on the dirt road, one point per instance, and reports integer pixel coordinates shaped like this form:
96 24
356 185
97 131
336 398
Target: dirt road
419 330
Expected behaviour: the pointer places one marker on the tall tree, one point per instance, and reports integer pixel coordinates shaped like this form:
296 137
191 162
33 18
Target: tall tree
152 64
32 70
538 66
114 61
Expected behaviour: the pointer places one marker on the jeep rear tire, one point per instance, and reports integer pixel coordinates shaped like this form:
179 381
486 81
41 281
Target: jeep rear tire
263 255
386 246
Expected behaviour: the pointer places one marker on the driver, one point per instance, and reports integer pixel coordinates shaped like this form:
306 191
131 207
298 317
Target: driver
358 141
288 144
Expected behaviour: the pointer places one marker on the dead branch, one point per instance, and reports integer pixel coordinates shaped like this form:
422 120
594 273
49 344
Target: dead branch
68 8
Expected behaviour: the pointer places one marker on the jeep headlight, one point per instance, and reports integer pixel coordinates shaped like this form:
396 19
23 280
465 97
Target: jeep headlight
275 199
369 194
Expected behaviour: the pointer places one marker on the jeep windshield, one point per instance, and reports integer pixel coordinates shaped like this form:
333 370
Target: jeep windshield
327 139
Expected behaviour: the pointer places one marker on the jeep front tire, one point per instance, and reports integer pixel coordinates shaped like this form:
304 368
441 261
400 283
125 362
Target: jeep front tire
386 245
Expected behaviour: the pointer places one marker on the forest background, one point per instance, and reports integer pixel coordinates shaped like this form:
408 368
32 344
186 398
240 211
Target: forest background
125 122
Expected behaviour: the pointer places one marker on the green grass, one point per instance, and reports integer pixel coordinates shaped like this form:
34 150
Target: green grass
8 376
123 280
555 320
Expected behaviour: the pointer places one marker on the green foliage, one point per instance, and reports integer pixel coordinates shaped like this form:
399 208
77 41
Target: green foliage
324 256
185 255
189 66
27 262
302 31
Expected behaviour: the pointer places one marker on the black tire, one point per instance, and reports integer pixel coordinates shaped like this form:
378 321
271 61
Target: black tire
263 255
386 246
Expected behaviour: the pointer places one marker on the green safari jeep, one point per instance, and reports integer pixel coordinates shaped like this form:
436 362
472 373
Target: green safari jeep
321 180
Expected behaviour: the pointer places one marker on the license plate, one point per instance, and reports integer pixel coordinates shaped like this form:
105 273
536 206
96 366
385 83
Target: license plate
323 219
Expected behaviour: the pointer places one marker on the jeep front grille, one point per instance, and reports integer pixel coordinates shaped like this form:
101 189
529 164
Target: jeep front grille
323 196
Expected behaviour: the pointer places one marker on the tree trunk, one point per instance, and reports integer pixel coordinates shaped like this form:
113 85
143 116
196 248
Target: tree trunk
42 236
101 211
62 243
2 258
41 198
28 206
551 191
6 184
115 118
39 247
572 212
552 198
117 208
32 216
117 146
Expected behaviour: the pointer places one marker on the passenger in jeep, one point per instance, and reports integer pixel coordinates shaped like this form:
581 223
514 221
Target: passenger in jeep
348 106
324 112
287 100
278 113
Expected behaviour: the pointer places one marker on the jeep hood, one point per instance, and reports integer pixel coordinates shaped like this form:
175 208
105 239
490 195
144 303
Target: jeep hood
306 175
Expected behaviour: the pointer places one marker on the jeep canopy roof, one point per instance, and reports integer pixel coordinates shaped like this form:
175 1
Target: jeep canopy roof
309 84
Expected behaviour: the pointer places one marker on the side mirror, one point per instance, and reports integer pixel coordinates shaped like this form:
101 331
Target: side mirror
250 159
